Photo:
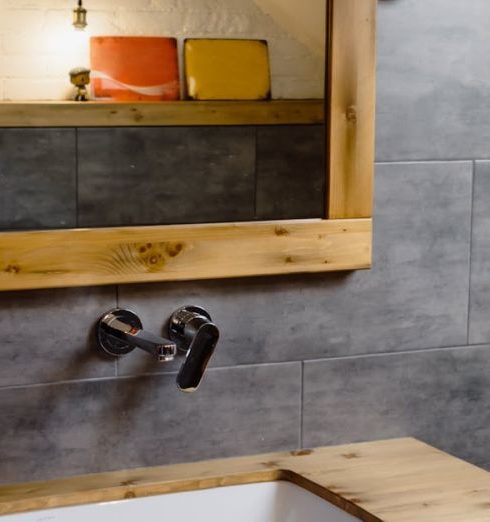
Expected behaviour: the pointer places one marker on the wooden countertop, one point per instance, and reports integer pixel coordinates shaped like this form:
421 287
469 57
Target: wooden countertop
401 480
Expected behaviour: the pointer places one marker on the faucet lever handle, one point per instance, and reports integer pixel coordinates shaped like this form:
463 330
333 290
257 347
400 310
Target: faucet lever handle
192 329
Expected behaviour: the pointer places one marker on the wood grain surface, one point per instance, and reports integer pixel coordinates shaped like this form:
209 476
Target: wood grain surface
351 100
342 242
400 480
148 114
84 257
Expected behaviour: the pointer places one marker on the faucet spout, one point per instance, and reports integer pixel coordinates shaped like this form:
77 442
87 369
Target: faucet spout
120 331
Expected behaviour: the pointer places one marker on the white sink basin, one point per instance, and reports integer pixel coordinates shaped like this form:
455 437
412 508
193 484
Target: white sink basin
265 502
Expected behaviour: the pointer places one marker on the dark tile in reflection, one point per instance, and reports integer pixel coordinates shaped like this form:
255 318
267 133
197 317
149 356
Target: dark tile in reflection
130 176
37 179
291 172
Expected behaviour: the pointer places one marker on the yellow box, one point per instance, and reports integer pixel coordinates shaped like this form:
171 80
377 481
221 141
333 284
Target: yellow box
220 69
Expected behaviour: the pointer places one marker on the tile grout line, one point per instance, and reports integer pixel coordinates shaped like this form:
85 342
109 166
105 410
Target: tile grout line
248 365
405 161
301 405
472 221
418 351
128 377
256 170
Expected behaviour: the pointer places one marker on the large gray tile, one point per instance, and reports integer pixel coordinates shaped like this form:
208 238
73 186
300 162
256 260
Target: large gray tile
291 172
415 296
439 396
47 335
433 100
60 430
130 176
480 257
37 179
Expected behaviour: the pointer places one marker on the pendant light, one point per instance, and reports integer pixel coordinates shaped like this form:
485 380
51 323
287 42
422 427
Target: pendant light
80 16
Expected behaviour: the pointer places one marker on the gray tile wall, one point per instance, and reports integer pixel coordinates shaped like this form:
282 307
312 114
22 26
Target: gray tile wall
403 349
102 177
37 178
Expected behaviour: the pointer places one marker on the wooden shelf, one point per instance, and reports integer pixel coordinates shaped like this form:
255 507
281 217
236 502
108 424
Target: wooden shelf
102 114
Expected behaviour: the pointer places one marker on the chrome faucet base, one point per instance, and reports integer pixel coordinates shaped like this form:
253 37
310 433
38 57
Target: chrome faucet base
119 332
109 344
178 324
191 331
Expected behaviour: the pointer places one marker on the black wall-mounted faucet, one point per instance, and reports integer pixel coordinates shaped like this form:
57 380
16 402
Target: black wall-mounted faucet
191 331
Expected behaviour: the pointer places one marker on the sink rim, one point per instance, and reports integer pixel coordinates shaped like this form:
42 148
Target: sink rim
227 482
159 488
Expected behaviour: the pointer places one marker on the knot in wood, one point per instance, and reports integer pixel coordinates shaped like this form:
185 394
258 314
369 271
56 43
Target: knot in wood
351 114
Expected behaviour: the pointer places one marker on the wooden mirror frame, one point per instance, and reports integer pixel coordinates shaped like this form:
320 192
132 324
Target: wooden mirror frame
341 241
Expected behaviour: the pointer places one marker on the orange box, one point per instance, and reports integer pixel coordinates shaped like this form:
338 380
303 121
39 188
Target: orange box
127 68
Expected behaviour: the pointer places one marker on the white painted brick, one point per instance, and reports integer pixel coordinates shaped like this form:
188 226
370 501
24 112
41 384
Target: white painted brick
285 87
294 60
221 23
36 90
152 23
59 67
21 43
104 23
22 66
185 5
37 4
38 45
133 5
21 20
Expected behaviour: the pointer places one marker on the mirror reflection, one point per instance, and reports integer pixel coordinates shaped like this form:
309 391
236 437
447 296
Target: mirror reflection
102 177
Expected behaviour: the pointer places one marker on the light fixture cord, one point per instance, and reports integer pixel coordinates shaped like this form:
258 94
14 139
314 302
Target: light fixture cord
80 3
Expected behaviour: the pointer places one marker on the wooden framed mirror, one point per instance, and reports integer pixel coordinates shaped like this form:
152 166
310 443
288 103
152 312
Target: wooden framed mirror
342 240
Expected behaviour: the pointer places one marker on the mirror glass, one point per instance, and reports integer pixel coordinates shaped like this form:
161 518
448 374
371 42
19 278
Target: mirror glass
52 178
